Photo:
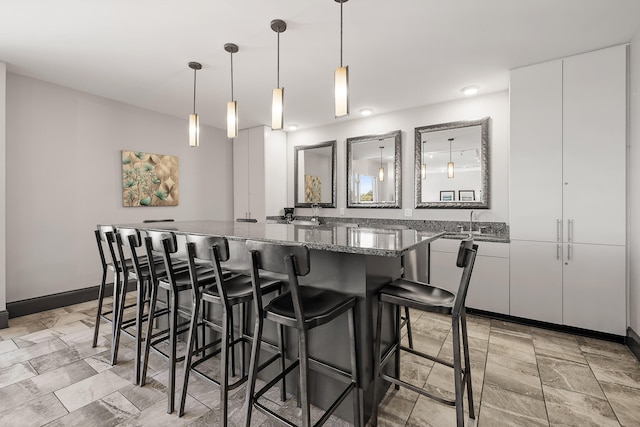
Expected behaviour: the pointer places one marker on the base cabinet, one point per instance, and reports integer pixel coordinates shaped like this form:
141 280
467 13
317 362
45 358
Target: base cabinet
489 286
577 285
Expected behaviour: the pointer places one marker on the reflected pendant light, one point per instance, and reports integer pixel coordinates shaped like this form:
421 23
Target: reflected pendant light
232 106
450 164
341 79
381 170
194 120
277 100
423 168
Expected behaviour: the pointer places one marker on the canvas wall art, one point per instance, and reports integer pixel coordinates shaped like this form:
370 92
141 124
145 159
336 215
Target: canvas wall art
312 189
149 179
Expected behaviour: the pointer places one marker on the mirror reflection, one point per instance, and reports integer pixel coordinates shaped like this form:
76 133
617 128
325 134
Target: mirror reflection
315 175
451 168
374 171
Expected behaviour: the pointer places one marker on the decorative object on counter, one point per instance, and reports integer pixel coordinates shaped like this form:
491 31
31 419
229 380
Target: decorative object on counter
447 196
194 120
277 99
364 188
149 179
434 164
288 214
341 79
232 106
315 175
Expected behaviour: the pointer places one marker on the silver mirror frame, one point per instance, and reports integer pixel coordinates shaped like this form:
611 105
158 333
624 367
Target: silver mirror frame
483 203
397 136
332 204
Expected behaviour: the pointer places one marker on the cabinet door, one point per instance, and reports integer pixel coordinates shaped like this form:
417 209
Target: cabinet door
536 281
489 287
594 288
594 144
241 175
535 171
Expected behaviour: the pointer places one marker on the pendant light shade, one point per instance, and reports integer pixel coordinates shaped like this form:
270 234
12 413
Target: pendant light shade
277 97
450 164
341 79
381 170
232 106
194 120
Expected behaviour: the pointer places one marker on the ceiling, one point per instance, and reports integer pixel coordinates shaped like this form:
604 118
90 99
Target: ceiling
401 53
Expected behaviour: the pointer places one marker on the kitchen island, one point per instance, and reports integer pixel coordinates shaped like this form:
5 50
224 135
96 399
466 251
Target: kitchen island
357 261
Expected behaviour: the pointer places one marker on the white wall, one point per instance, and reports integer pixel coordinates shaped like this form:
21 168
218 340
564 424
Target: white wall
633 188
495 105
63 165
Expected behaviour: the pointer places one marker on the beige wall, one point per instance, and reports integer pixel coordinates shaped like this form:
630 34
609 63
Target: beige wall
63 165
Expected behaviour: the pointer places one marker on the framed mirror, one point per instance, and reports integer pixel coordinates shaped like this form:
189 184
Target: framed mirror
452 165
374 173
315 175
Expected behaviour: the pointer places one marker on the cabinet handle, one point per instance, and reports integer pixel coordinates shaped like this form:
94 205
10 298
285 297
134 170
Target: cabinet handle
568 252
570 230
558 251
558 229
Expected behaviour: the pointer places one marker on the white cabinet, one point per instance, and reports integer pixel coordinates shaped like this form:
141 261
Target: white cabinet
489 286
259 180
567 191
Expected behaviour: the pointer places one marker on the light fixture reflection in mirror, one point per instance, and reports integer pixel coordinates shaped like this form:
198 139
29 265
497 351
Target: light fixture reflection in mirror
451 165
373 171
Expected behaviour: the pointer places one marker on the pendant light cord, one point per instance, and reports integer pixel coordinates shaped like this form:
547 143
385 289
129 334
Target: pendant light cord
278 67
194 91
232 99
341 3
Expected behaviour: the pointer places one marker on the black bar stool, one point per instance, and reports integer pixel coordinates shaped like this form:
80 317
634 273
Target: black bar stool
174 283
302 308
104 237
420 296
228 292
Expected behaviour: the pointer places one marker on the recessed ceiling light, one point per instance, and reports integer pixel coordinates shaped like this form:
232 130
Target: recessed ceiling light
293 127
470 90
366 111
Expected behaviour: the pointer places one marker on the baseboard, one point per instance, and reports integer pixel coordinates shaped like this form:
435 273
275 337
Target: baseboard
633 342
63 299
550 326
4 319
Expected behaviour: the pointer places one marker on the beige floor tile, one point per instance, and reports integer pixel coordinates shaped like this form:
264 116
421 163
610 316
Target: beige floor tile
90 389
513 375
566 375
16 373
625 402
34 413
109 411
568 408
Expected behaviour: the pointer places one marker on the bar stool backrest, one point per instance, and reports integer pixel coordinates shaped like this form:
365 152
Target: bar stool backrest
162 243
292 260
466 258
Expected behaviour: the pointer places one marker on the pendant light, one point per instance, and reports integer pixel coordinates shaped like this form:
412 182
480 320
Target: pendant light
232 106
194 120
423 168
277 100
381 170
450 164
341 79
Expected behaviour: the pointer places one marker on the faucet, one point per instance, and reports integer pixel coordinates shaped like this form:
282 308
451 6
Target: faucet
316 209
471 222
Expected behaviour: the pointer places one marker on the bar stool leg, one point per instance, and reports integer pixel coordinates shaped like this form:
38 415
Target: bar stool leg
118 308
457 373
96 328
408 323
173 326
398 342
139 319
467 363
303 355
193 333
224 365
376 366
357 413
283 364
253 366
147 342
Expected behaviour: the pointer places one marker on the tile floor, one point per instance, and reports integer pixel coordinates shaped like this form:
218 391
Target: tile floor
522 376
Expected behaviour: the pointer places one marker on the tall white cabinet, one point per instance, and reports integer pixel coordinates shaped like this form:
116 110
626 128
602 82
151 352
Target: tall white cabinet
259 178
567 191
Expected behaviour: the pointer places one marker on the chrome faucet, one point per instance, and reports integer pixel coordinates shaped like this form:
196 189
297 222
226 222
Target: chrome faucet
471 222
